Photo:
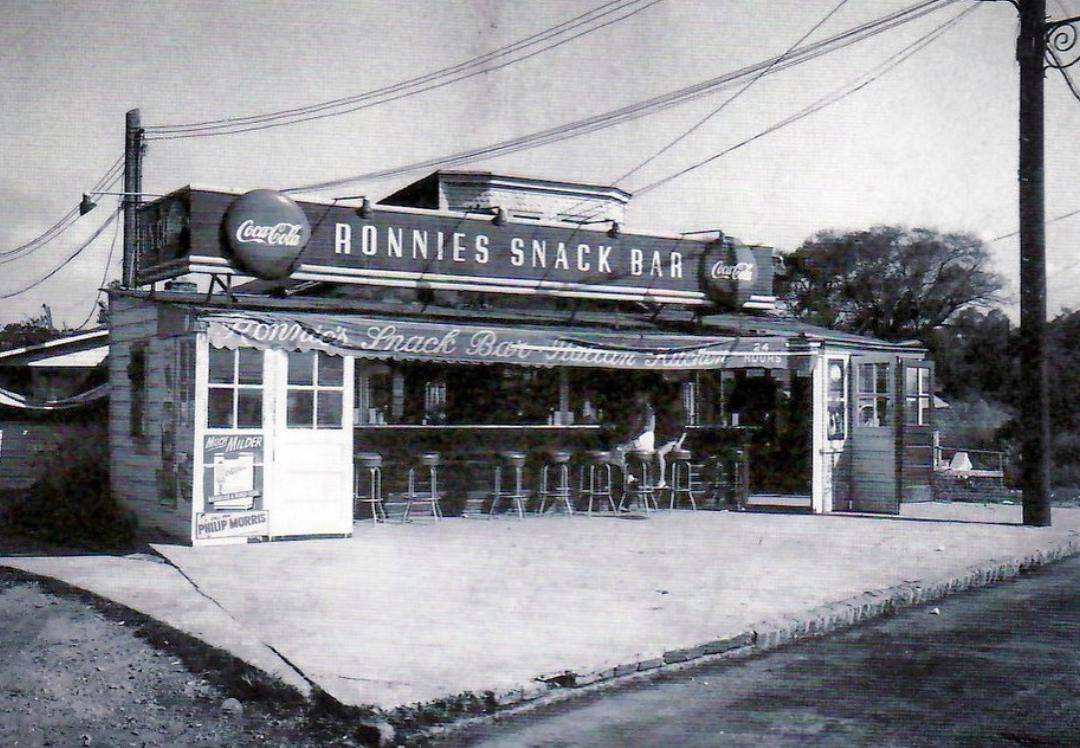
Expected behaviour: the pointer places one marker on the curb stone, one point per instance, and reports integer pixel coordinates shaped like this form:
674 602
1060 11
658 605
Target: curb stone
762 636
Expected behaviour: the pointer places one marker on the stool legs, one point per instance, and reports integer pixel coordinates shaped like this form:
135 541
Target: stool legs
682 484
640 490
598 485
374 494
433 498
517 496
560 493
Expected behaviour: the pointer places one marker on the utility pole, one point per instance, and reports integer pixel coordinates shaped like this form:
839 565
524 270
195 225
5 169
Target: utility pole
1033 400
1037 37
133 142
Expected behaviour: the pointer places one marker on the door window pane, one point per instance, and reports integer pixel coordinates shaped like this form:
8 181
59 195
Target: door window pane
251 366
301 368
300 408
248 408
329 411
221 365
220 408
331 370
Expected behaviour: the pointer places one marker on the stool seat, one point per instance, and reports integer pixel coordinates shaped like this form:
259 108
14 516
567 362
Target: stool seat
557 456
368 460
598 456
515 459
680 454
429 459
641 454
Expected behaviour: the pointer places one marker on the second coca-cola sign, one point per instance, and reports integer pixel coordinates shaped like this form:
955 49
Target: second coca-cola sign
266 232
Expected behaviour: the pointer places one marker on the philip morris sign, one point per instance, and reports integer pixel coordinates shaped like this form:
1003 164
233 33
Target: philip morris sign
410 247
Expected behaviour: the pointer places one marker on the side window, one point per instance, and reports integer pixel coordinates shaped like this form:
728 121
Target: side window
235 389
836 372
917 396
137 377
873 404
315 388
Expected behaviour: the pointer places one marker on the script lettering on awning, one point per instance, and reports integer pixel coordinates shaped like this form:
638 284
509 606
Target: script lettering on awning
469 343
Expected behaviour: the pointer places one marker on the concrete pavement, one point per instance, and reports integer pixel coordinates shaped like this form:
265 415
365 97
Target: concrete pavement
409 614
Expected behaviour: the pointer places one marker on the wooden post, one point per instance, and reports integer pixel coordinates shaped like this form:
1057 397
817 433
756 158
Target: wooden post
1033 400
130 200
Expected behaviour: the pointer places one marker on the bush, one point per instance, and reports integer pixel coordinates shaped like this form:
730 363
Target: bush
71 503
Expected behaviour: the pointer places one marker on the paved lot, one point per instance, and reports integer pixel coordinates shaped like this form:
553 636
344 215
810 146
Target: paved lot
403 614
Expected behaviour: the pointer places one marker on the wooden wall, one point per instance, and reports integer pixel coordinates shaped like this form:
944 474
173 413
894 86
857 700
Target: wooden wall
145 474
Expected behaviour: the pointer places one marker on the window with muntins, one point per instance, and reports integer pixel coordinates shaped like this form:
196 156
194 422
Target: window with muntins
315 389
917 396
874 395
235 392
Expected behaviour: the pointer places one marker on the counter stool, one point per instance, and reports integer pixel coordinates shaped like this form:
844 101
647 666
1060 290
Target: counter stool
430 461
506 462
557 490
682 478
594 480
639 487
372 463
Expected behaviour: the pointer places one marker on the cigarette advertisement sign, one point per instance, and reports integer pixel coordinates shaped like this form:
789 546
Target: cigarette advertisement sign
231 525
232 472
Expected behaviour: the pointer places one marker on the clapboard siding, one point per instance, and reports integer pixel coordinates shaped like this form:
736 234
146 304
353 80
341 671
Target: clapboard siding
136 461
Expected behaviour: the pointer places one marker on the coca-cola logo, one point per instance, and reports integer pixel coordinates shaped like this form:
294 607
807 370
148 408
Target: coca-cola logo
278 235
266 232
739 271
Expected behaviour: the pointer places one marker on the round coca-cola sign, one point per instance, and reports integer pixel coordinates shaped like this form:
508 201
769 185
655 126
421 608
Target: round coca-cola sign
266 232
728 271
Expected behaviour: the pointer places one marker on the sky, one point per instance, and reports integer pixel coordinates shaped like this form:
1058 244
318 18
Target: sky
931 144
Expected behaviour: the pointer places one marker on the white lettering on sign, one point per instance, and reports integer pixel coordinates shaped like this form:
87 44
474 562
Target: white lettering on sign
742 271
290 332
538 254
233 443
276 235
342 239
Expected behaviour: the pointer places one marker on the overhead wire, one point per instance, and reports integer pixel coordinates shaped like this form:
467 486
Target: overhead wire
649 106
67 260
104 278
724 104
834 97
67 221
406 88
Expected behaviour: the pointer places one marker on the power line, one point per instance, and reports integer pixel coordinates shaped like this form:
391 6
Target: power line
67 221
764 71
62 265
1048 221
104 278
406 88
648 106
836 96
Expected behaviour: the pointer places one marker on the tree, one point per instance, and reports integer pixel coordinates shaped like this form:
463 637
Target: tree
976 356
29 331
888 281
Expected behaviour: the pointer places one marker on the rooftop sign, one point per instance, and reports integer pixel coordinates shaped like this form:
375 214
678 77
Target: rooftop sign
214 232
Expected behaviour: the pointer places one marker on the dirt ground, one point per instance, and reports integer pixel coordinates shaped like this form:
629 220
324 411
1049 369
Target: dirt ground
74 675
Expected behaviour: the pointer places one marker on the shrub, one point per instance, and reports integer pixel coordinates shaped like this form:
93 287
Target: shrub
71 503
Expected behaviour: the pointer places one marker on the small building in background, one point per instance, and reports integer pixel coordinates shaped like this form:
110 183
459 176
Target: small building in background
49 391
